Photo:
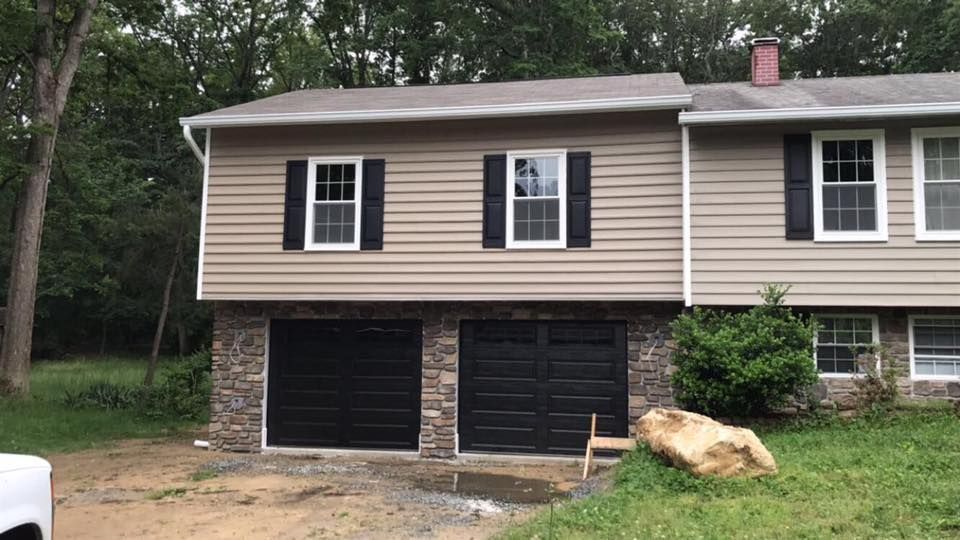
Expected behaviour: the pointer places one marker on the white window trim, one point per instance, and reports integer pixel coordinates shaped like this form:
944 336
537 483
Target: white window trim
919 204
879 178
913 370
309 244
875 336
561 156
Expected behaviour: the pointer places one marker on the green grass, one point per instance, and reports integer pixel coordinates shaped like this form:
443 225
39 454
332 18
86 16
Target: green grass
42 424
165 493
893 477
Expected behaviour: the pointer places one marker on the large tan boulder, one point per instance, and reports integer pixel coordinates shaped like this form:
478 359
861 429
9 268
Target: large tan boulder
703 446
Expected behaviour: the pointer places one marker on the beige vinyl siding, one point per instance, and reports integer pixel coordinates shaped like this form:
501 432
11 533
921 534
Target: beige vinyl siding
737 229
432 245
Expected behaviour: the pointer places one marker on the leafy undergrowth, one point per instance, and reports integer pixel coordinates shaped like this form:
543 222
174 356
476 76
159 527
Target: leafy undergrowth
893 477
43 423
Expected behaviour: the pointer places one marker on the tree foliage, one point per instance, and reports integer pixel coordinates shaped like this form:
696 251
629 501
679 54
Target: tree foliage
123 180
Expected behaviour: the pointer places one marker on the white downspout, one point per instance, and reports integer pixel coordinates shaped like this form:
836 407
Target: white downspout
687 258
188 135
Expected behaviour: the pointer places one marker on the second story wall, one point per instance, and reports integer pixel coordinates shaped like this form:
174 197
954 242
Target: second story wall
432 242
738 236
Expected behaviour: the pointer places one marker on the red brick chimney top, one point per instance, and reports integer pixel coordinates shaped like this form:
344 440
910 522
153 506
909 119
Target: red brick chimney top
765 61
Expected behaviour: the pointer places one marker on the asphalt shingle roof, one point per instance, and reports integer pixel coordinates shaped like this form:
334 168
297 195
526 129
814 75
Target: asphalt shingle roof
462 95
828 92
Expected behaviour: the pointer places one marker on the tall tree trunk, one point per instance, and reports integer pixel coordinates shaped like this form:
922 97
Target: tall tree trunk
50 88
162 320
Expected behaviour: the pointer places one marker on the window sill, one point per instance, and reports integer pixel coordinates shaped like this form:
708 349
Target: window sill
945 236
872 237
934 378
333 247
536 245
838 375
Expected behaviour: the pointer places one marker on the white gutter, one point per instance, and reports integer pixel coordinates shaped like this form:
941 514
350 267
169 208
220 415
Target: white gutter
442 113
188 135
857 112
203 212
685 213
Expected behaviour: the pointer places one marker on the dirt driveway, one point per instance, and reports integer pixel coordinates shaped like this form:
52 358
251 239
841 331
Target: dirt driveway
168 489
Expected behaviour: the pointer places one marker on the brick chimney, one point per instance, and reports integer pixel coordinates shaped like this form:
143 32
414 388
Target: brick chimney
765 61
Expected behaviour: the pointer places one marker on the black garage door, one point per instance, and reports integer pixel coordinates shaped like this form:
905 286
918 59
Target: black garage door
531 386
344 383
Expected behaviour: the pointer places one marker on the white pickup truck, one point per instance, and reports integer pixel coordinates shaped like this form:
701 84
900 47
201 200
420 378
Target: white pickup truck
26 498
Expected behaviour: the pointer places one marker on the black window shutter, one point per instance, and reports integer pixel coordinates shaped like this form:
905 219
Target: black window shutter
578 199
494 201
798 188
371 205
295 205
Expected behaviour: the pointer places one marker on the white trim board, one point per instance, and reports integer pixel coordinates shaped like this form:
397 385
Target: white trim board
443 113
853 112
311 201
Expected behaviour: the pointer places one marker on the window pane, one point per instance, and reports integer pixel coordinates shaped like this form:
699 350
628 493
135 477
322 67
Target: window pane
520 187
336 173
831 197
335 192
865 197
924 368
865 150
348 191
931 148
848 171
848 220
951 169
848 150
830 152
333 223
867 220
865 171
831 172
931 169
831 220
942 202
349 172
950 147
536 230
521 230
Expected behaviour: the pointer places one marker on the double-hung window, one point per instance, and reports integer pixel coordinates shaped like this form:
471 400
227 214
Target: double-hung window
936 191
935 347
841 339
536 199
850 192
333 203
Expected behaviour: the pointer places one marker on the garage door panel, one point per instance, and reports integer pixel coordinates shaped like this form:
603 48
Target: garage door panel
504 368
311 398
344 383
581 371
568 403
517 438
531 386
503 401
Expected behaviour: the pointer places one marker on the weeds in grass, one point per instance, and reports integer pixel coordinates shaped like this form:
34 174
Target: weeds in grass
42 423
203 474
166 493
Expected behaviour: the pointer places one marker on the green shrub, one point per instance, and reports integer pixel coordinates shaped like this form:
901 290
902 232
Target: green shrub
746 363
876 386
104 395
183 392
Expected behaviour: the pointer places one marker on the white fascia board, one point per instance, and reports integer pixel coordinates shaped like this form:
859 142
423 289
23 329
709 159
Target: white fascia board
444 113
858 112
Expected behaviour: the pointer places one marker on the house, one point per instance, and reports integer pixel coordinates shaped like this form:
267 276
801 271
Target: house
479 267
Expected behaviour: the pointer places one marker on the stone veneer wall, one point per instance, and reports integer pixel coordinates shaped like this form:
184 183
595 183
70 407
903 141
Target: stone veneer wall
894 329
240 346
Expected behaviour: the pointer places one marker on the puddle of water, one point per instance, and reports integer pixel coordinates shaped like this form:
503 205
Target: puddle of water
499 487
